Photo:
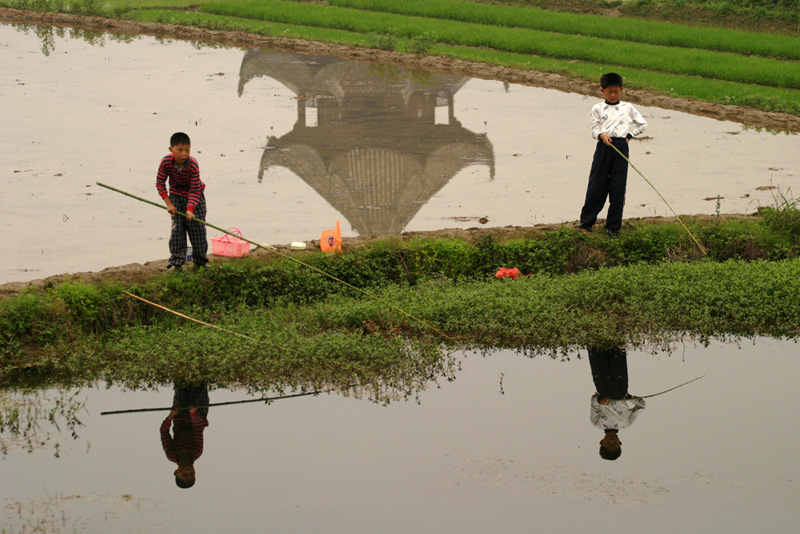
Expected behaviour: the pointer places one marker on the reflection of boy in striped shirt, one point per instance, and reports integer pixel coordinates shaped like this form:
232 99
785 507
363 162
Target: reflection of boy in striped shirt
185 195
614 122
188 423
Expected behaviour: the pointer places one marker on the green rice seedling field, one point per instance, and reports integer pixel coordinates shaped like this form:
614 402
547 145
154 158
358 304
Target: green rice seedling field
704 62
633 30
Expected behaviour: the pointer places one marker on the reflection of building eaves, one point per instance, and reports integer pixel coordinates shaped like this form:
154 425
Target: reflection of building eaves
378 189
284 67
366 137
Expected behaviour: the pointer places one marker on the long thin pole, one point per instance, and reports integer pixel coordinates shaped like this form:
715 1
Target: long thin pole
288 257
670 389
266 400
159 306
662 198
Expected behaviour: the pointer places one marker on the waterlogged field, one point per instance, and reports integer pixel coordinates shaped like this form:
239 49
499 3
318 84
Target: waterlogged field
507 445
289 143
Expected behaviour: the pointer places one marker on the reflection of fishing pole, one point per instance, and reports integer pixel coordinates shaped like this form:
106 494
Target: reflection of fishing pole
266 400
288 257
662 198
668 390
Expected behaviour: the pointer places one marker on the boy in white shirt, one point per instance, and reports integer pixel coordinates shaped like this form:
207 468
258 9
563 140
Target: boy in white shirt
614 122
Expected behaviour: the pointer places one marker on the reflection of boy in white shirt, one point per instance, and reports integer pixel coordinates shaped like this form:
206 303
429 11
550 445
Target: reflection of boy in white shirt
610 408
611 415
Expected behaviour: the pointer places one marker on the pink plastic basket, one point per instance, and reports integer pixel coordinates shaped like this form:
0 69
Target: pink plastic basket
228 245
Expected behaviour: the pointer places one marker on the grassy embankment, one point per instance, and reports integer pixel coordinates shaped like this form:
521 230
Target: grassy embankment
715 64
650 286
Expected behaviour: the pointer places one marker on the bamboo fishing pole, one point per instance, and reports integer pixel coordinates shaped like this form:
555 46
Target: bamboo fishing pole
266 400
159 306
702 249
287 256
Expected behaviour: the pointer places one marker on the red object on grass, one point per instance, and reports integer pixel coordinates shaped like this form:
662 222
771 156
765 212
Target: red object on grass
506 272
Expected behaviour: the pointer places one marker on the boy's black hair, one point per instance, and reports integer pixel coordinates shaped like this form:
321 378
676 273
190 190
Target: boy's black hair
179 138
610 79
607 454
184 484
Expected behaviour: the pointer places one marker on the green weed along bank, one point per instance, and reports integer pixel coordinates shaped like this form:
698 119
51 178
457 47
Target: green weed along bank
344 339
649 286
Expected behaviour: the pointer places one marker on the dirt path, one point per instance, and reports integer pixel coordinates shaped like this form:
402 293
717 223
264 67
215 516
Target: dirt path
780 121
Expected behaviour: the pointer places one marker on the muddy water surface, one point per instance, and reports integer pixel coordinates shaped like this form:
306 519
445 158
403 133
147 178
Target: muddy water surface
507 446
289 143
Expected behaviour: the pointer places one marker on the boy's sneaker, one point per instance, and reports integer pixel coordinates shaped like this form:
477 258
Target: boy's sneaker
586 227
200 266
613 233
174 268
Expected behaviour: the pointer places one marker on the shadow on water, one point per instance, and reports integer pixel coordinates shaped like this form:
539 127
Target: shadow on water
375 141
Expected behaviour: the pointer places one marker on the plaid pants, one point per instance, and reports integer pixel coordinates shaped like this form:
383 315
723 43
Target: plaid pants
191 395
196 231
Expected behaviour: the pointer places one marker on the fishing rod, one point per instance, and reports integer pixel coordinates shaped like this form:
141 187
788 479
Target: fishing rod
702 249
288 257
668 390
265 400
159 306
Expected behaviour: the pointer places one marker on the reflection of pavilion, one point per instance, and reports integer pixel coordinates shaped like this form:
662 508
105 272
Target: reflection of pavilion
376 145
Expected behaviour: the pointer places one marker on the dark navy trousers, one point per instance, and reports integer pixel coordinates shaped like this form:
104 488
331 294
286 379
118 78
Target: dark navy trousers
607 178
609 371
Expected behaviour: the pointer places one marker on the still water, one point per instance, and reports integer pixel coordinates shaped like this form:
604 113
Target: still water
289 143
507 446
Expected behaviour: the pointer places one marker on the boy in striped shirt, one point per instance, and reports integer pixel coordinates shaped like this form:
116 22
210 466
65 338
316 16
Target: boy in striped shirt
614 123
180 171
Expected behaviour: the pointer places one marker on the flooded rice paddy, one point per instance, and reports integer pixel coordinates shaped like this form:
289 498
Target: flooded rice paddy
289 143
507 446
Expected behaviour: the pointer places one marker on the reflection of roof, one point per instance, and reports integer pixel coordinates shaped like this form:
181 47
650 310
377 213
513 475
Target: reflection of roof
375 153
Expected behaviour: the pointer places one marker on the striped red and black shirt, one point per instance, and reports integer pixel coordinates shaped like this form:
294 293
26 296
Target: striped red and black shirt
188 435
184 183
